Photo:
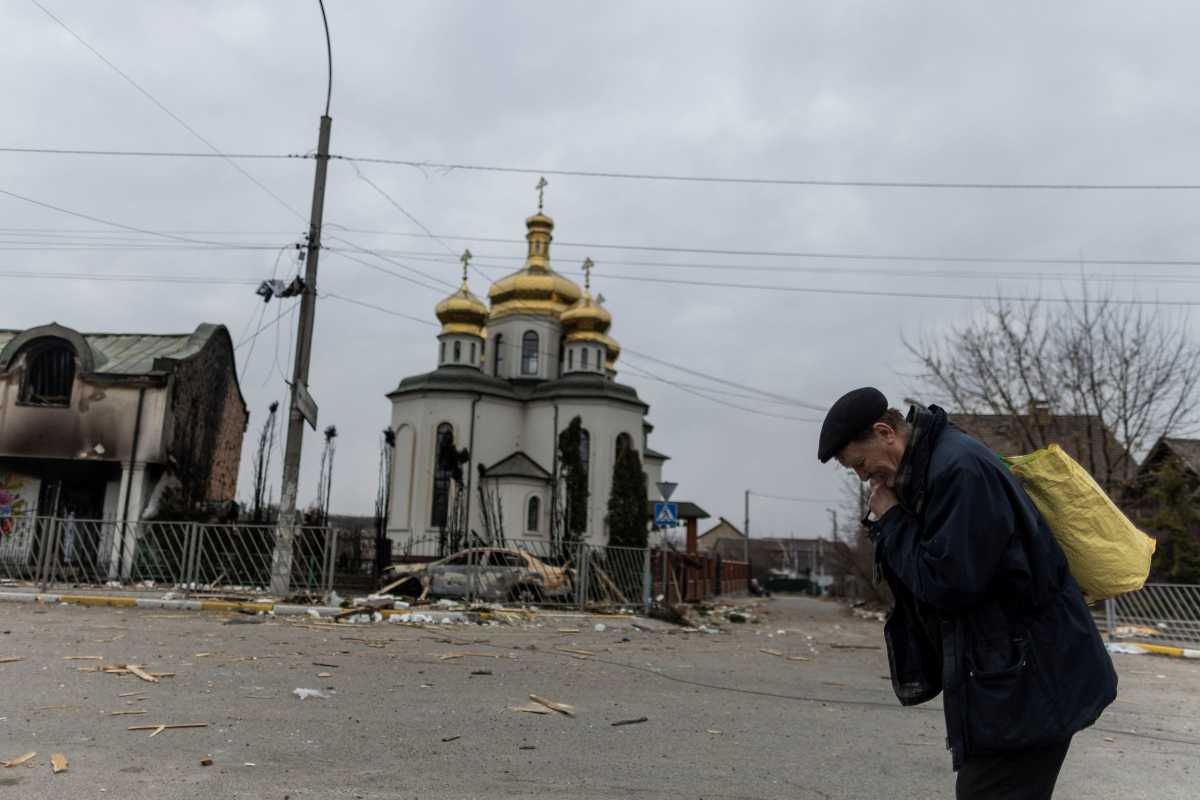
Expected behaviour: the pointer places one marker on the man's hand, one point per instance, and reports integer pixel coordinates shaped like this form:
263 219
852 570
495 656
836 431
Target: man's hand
883 497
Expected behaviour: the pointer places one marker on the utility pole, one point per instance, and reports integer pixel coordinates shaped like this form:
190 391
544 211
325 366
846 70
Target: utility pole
833 513
301 407
746 529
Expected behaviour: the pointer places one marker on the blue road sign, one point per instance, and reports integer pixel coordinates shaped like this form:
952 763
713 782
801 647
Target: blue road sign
666 515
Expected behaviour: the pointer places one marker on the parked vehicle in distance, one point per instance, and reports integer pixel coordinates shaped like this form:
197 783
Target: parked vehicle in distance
488 573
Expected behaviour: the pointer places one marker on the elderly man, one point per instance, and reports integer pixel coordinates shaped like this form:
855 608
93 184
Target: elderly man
986 610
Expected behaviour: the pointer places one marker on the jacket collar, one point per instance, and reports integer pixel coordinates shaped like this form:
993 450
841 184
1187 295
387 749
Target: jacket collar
925 427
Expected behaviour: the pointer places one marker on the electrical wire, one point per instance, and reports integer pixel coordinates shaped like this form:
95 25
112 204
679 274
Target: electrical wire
127 278
792 499
344 299
757 412
65 151
145 93
745 387
386 271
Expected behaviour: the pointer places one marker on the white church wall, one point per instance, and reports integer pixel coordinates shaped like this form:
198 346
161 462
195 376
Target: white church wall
511 330
497 426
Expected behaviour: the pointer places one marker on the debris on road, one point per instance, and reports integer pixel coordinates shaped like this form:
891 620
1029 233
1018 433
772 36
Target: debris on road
599 627
11 659
58 763
83 658
206 761
127 713
637 721
131 694
324 674
19 760
863 613
856 647
531 708
304 694
166 727
568 630
481 672
449 656
770 652
561 708
451 738
575 652
141 673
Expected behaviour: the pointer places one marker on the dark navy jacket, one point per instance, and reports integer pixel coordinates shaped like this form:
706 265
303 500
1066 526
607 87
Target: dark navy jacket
987 611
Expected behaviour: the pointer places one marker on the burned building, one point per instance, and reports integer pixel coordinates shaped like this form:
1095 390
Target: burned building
113 426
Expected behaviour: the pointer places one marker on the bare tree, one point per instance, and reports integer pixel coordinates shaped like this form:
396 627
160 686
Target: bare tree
1132 370
852 556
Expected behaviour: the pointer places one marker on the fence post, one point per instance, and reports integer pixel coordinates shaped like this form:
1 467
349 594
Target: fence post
49 549
584 575
191 557
329 562
647 579
1110 615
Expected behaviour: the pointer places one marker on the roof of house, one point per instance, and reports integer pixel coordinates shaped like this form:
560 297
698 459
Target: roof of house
687 509
1187 450
124 354
1083 437
517 465
654 454
724 523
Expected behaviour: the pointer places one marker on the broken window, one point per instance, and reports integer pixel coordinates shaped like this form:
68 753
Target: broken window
49 374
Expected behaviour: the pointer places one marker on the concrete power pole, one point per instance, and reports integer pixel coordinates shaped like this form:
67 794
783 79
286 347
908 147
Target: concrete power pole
302 408
746 529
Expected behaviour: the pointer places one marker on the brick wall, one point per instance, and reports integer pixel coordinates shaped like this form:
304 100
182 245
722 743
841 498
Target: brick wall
208 421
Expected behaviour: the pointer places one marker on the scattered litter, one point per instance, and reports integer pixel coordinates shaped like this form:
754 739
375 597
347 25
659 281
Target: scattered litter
10 659
206 761
323 664
141 673
862 613
600 627
531 708
706 629
1127 649
126 713
781 632
561 708
58 763
244 621
568 630
83 658
713 731
803 658
770 652
482 672
527 747
1109 739
1161 676
312 612
160 728
637 721
576 652
324 674
19 760
736 616
130 694
201 655
449 656
304 694
856 647
451 738
250 764
1136 630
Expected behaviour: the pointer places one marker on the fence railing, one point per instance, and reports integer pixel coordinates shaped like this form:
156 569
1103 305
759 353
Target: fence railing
1158 612
206 558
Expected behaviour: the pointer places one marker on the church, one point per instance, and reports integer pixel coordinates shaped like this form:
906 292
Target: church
476 456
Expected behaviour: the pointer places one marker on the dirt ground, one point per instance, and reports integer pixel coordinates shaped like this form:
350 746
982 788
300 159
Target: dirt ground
797 705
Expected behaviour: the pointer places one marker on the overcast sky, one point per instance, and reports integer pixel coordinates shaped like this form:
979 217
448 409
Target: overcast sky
964 92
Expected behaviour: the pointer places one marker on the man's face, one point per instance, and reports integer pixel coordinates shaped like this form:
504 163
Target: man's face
877 458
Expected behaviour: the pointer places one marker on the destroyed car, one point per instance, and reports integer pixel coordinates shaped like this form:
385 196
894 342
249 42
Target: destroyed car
488 573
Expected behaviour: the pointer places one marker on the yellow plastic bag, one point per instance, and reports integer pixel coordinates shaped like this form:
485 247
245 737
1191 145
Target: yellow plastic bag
1107 554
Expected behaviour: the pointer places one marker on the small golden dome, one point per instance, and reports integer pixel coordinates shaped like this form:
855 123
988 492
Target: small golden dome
535 288
462 312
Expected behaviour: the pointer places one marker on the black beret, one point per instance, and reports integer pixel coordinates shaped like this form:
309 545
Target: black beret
852 414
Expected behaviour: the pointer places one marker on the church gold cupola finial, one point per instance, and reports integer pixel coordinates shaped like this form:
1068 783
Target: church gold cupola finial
463 312
541 187
465 258
587 276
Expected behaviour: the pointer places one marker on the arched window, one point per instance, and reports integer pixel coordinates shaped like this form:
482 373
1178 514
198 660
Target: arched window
498 355
570 359
49 374
457 352
443 469
585 448
624 442
474 363
585 358
443 360
529 353
533 514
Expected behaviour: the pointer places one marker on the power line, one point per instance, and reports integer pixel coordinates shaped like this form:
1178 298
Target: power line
815 182
166 110
65 151
329 296
385 270
885 293
792 499
696 373
683 387
128 278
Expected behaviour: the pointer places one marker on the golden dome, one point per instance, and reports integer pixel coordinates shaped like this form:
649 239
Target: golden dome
535 288
587 315
462 312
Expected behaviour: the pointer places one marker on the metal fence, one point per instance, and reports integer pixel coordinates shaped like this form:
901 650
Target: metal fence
1159 612
184 556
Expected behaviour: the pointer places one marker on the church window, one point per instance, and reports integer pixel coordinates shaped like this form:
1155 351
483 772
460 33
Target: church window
498 356
585 358
443 352
585 448
624 442
474 363
533 514
442 471
49 374
457 352
570 359
529 353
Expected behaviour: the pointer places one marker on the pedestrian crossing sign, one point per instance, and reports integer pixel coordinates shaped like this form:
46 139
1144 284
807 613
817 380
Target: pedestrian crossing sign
666 515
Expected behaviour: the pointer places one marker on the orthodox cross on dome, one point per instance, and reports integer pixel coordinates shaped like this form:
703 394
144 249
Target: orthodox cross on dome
587 273
465 258
541 187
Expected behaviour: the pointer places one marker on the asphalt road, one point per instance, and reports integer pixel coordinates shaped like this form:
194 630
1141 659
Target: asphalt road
724 718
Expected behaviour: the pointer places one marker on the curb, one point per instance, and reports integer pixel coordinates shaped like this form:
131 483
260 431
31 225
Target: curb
268 607
1158 649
